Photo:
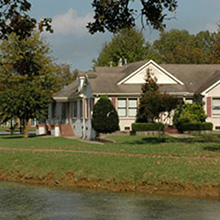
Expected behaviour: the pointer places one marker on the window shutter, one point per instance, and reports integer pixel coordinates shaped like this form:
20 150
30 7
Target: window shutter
209 106
114 102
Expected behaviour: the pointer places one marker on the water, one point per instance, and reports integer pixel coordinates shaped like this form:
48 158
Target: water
22 202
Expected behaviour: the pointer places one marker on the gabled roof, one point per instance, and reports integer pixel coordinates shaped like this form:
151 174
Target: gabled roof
104 80
194 76
136 69
210 83
108 78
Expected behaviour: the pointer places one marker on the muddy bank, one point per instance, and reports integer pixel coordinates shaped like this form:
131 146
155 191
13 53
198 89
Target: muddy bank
164 188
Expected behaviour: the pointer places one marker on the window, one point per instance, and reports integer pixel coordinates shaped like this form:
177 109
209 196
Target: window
122 107
127 107
33 122
132 107
216 106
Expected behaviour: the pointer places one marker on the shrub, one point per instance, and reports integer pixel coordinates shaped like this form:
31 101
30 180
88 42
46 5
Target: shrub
198 126
148 127
105 117
189 113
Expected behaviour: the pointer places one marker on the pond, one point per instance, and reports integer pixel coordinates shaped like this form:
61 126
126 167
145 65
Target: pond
25 202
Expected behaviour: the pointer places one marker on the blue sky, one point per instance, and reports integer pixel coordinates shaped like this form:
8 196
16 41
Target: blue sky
71 43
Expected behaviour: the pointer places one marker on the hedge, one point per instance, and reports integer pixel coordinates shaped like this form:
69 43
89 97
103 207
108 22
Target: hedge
148 127
199 126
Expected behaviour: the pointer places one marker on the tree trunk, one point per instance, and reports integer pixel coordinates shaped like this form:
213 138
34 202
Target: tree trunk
25 129
11 128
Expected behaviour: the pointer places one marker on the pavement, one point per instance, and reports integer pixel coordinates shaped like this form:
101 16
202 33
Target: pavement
180 135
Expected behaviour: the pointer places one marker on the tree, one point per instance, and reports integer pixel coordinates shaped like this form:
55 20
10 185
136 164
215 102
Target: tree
14 19
216 54
178 46
27 78
64 75
113 15
127 44
152 102
105 117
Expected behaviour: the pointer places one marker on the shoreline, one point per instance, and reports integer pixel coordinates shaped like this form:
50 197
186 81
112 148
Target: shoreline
68 181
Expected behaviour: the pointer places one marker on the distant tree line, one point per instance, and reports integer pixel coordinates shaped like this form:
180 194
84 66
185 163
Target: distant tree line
174 46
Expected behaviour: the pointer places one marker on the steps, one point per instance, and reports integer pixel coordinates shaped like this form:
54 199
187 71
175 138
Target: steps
172 130
66 130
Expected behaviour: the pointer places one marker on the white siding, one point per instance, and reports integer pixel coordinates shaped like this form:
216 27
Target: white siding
162 77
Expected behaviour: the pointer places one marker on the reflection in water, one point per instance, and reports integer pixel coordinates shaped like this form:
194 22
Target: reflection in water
37 203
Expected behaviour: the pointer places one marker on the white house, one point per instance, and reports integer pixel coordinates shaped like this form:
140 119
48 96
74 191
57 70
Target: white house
71 111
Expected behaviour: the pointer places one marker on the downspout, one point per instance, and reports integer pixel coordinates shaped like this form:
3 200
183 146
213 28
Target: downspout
81 89
83 115
84 120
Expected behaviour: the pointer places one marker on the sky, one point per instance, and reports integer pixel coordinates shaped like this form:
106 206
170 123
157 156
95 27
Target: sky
72 44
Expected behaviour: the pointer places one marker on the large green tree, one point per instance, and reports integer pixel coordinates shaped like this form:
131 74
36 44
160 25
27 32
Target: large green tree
178 46
14 18
64 75
216 54
113 15
127 44
27 78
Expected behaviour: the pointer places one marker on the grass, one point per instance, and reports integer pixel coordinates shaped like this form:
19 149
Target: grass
188 167
205 145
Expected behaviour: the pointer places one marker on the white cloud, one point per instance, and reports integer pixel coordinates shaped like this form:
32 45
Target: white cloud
212 27
70 23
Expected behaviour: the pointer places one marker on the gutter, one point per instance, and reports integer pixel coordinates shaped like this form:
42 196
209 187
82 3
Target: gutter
135 94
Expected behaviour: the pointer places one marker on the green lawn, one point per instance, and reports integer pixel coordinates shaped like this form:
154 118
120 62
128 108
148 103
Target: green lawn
188 168
206 145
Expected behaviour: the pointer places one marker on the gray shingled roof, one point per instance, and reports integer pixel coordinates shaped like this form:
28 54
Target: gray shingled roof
69 92
104 80
195 78
210 81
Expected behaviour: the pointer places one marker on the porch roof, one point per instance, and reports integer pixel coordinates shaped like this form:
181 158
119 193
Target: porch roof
67 93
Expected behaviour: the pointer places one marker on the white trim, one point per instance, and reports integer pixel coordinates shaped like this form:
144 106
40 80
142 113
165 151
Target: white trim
145 65
210 88
60 98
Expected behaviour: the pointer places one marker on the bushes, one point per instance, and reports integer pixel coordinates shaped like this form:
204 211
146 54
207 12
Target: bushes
148 127
191 117
198 126
189 113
